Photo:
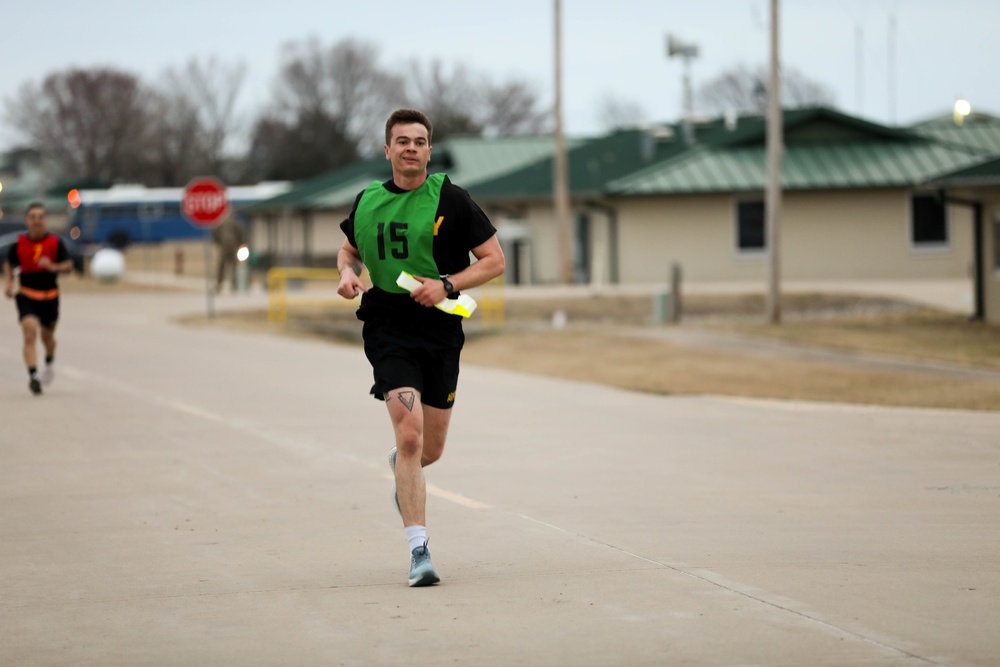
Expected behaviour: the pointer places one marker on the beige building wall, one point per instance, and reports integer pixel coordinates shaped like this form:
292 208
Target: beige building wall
283 235
327 237
544 244
824 236
866 234
991 267
696 232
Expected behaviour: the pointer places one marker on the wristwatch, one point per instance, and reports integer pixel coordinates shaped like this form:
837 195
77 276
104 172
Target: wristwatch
448 287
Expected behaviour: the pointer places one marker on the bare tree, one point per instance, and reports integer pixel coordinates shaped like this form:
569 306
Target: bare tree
343 84
447 96
461 101
363 91
205 95
92 123
312 144
512 108
744 90
614 113
324 99
329 108
174 149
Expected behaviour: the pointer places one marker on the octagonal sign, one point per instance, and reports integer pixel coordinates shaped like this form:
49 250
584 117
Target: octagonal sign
205 201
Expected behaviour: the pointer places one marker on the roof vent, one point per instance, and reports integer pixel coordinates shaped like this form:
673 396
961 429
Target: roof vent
662 132
647 147
731 120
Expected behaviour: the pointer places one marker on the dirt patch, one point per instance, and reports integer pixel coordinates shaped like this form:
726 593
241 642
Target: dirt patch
605 357
593 347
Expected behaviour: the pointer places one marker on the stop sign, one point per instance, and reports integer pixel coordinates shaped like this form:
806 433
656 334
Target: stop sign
205 201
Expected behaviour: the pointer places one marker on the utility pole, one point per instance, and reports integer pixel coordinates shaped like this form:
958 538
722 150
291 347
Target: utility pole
560 177
772 202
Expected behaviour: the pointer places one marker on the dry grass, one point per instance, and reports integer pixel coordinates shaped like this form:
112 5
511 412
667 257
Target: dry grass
923 335
75 284
185 258
599 345
605 357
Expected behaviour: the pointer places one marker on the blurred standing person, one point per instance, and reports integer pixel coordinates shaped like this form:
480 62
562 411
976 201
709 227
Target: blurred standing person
41 256
228 237
426 226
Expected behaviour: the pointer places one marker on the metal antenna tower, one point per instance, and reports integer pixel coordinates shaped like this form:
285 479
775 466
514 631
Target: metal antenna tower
686 51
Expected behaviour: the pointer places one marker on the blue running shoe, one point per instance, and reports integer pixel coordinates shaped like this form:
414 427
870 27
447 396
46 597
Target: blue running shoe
392 466
422 573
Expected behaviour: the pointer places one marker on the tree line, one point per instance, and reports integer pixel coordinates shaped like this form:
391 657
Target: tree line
326 109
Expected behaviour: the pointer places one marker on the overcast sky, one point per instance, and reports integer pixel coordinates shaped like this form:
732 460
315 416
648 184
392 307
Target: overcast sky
942 50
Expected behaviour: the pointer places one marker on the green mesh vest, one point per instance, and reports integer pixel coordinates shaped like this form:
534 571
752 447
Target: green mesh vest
395 232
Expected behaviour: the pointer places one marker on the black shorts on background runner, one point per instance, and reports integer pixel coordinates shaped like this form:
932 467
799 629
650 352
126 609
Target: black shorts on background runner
46 311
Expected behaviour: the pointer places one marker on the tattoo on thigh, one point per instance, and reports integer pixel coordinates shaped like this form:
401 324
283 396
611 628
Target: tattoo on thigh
386 396
407 398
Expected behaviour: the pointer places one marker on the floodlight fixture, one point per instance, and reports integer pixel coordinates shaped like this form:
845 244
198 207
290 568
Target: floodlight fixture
962 109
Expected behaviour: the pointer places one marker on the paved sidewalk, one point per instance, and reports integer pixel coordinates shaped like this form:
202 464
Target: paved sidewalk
194 495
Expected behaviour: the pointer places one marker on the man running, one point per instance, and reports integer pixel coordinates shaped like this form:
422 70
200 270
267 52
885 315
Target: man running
41 256
426 226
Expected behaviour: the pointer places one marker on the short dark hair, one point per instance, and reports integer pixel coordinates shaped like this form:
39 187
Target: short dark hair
33 205
401 116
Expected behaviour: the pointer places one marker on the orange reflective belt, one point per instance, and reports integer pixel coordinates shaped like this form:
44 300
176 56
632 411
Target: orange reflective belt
39 294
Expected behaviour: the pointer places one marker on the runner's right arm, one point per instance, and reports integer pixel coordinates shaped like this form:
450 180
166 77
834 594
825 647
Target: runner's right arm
350 266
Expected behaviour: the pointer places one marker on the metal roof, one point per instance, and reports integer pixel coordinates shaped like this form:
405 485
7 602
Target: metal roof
466 160
983 173
727 155
978 132
592 163
312 193
804 167
824 149
472 160
137 193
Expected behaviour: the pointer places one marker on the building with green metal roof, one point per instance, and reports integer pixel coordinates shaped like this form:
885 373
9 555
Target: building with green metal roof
855 203
302 226
977 187
859 200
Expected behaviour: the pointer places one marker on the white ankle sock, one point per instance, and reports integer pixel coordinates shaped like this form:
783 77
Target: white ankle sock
417 536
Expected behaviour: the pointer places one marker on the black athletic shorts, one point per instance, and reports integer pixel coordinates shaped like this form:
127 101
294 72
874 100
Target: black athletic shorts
401 359
46 311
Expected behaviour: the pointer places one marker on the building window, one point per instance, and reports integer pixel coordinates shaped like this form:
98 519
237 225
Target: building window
928 222
750 233
996 245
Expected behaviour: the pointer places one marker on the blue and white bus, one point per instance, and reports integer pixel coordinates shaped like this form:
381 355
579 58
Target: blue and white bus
125 214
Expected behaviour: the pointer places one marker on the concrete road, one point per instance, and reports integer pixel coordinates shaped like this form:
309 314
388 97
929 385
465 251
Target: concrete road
198 496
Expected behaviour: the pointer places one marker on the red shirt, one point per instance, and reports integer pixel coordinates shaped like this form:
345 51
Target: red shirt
26 254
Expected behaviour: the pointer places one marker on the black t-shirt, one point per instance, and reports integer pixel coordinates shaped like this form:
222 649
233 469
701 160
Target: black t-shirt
464 227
